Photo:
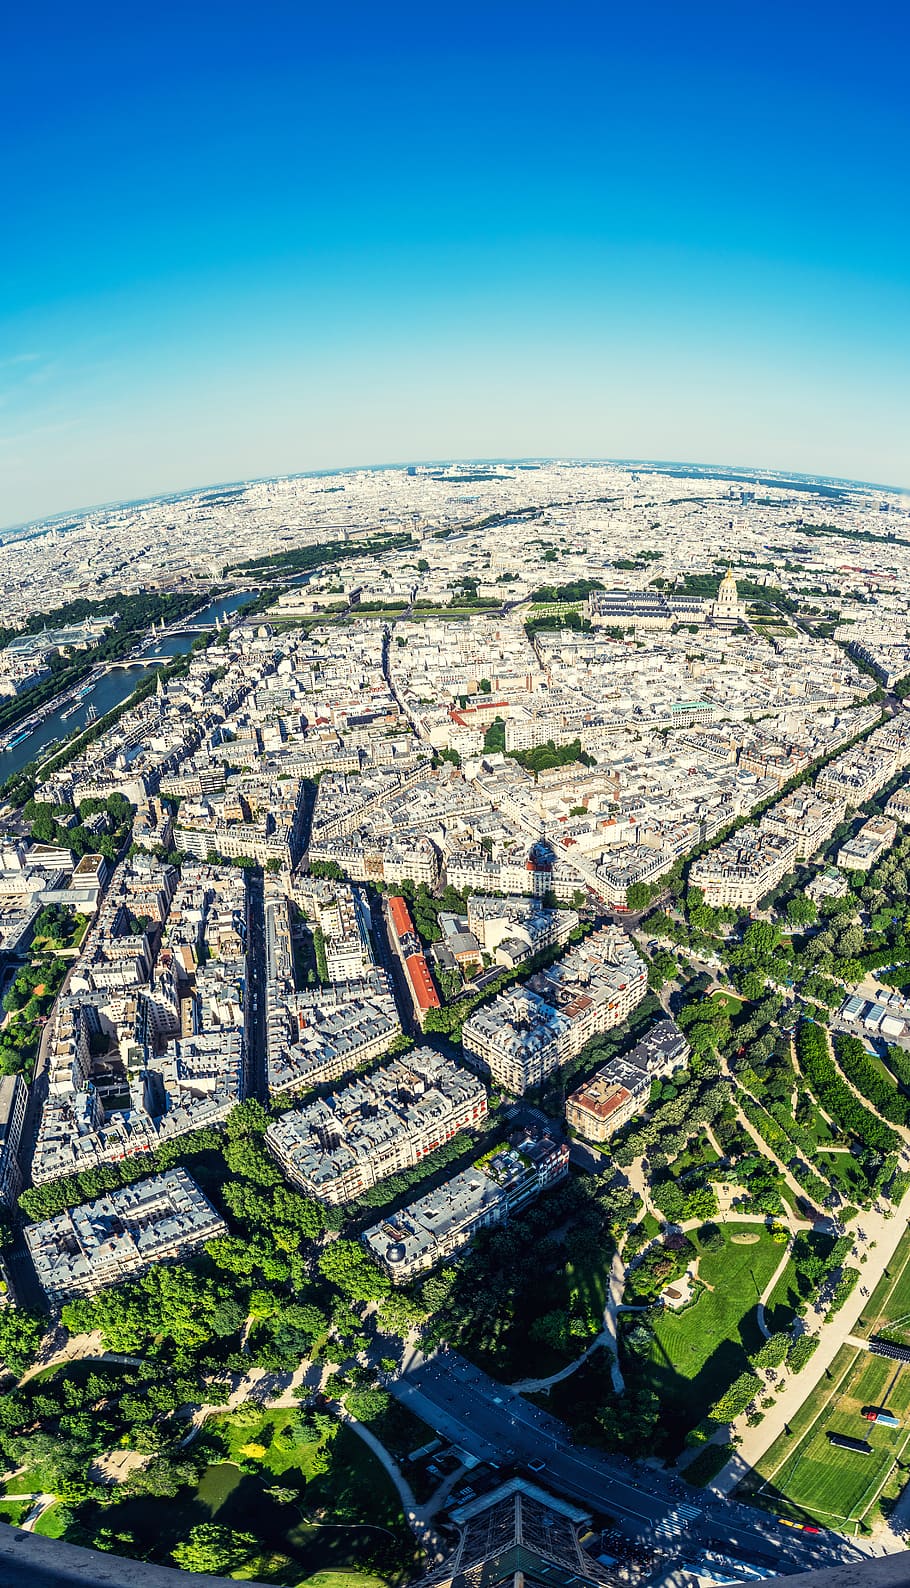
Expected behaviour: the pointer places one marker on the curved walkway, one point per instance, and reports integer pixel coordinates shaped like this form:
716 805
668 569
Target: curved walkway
766 1293
606 1336
528 1386
900 1131
796 1388
42 1503
417 1517
57 1348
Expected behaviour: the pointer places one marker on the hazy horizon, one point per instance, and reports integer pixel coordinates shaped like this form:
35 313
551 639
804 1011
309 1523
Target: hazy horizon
247 246
712 470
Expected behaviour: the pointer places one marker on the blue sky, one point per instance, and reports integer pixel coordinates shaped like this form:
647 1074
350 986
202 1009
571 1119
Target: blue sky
252 239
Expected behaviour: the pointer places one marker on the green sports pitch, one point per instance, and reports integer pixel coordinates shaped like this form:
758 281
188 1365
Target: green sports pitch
887 1312
805 1477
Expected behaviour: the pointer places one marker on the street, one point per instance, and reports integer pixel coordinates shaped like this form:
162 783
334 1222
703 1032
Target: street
497 1425
255 1080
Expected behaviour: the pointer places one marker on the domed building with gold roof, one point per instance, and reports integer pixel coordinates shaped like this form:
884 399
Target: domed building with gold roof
726 609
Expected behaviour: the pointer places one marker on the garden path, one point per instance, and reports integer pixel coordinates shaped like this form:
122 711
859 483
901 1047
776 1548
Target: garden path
885 1232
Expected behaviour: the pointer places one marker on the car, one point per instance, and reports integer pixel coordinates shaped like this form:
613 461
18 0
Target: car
536 1466
809 1528
785 1521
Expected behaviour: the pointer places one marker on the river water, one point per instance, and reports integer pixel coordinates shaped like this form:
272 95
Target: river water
110 690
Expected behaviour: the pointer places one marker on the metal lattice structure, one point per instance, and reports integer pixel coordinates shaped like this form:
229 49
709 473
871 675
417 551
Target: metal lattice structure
519 1532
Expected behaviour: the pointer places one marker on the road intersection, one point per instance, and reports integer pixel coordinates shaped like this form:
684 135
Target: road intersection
496 1425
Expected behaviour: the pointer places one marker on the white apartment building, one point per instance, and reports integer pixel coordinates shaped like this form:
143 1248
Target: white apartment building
118 1235
805 816
866 847
337 1147
526 1033
440 1224
745 867
13 1099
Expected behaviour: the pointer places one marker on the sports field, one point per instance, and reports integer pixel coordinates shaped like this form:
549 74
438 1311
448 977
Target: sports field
888 1309
805 1477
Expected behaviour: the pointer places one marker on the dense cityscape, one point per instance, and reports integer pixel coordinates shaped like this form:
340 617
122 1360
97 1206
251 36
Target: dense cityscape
455 1049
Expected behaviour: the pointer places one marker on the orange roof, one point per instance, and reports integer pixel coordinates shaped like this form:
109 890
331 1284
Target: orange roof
421 981
401 915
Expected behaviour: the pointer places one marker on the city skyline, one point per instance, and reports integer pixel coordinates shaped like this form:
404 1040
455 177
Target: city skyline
729 470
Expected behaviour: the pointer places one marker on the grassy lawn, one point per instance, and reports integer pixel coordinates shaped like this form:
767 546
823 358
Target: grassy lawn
844 1174
698 1352
727 1000
805 1477
22 1483
811 1120
12 1511
342 1579
707 1464
793 1288
275 1569
51 1523
402 1433
588 1282
697 1153
888 1308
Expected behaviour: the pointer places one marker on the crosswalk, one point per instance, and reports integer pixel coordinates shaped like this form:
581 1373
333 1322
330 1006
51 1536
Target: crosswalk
673 1525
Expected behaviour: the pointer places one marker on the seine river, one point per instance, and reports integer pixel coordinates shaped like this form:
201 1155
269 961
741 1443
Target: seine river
110 689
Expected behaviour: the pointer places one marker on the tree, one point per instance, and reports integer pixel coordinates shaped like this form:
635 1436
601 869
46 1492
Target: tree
280 1495
245 1157
346 1265
551 1329
638 896
162 1477
209 1547
367 1404
735 1399
20 1337
801 911
759 942
662 969
751 984
772 1353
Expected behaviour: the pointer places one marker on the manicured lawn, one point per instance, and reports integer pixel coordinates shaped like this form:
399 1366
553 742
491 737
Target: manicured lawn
279 1569
810 1120
52 1522
805 1477
707 1464
698 1352
844 1174
888 1308
342 1579
793 1287
22 1483
727 1000
698 1153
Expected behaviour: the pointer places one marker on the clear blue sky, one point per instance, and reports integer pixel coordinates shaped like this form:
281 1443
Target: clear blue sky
250 239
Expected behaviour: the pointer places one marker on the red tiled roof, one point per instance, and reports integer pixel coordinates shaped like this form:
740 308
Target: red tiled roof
401 915
421 981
